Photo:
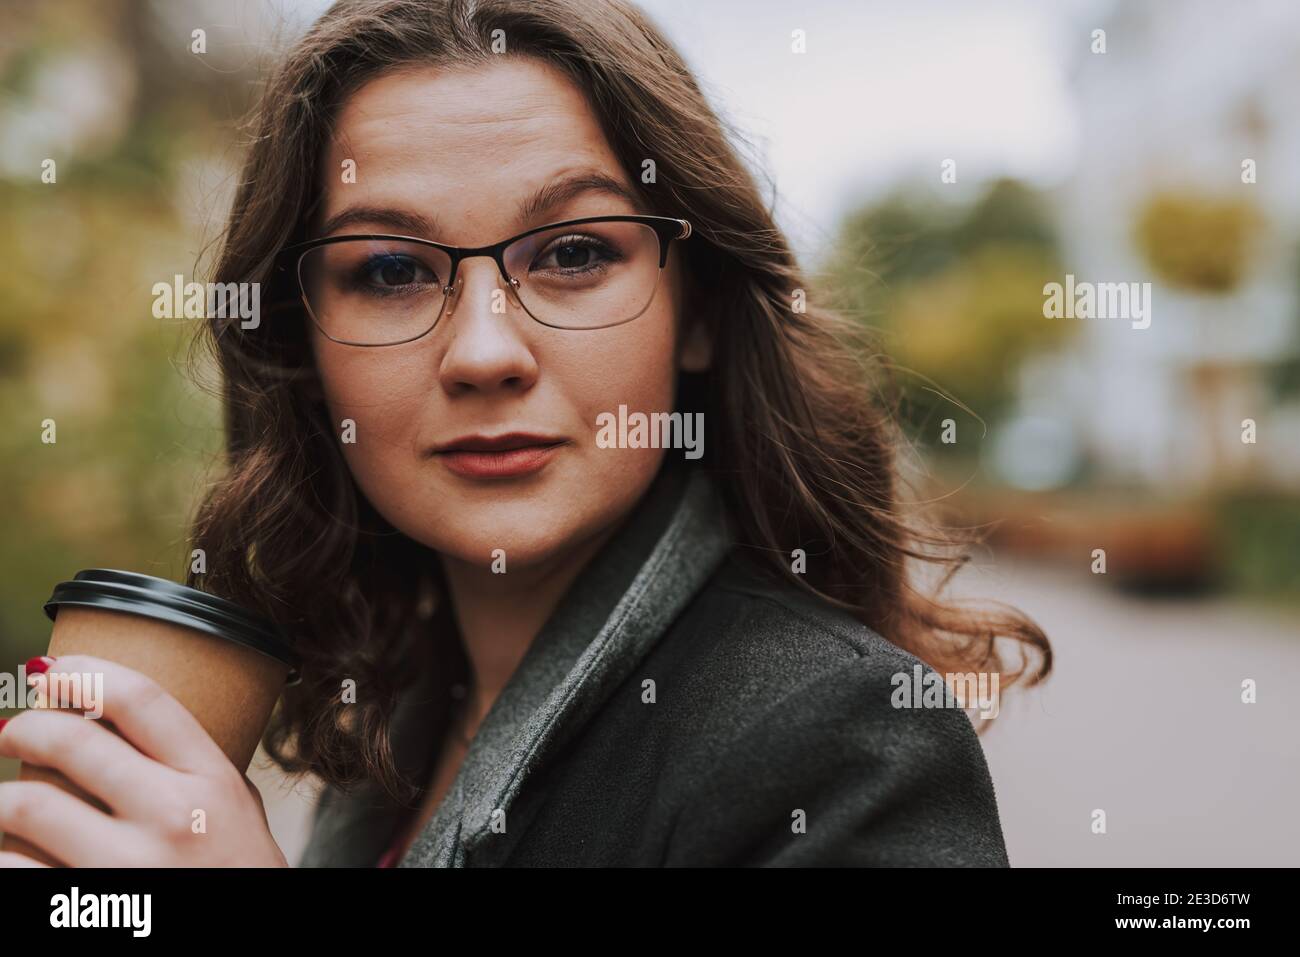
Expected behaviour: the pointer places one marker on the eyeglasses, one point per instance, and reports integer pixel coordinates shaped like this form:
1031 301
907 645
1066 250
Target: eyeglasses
377 290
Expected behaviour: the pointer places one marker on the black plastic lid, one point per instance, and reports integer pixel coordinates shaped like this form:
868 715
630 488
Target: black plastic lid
165 600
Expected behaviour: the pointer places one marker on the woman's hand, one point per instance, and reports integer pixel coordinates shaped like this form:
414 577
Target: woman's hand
154 775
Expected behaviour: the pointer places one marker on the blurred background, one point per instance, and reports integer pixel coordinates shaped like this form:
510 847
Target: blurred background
936 164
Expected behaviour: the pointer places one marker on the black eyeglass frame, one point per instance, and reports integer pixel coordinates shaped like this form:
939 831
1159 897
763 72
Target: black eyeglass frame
666 229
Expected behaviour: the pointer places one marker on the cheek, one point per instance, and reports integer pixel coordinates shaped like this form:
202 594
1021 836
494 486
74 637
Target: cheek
633 365
382 392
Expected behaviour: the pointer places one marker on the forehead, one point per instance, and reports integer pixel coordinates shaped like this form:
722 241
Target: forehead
470 141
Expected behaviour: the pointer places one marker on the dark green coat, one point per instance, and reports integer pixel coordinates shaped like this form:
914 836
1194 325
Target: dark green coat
681 708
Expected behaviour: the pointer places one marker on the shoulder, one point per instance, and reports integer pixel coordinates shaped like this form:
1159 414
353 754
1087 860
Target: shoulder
759 641
794 719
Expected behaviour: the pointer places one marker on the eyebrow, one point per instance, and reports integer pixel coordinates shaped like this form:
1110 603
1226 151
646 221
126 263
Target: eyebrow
543 200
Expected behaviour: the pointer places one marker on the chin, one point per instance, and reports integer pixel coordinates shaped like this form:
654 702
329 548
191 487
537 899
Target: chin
524 547
531 532
532 521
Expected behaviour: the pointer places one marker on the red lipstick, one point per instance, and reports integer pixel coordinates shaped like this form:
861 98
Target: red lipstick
500 456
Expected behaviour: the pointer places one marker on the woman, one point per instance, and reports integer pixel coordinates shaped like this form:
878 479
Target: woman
495 233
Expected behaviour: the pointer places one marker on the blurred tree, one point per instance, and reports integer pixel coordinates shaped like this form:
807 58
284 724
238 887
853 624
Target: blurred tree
78 259
956 292
1195 242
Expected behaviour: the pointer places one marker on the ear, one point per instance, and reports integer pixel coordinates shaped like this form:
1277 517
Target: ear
310 385
311 388
694 343
695 352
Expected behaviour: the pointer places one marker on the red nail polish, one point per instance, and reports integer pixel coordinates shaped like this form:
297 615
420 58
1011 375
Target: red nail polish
39 665
3 722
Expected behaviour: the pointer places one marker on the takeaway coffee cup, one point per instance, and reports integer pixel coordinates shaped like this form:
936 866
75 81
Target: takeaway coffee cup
223 663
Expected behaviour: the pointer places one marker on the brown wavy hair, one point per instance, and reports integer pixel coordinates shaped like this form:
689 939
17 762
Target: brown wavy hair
806 443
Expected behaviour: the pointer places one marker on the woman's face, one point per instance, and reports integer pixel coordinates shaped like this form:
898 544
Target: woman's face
467 149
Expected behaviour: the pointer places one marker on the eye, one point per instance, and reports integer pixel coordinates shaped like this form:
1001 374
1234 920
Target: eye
576 253
395 271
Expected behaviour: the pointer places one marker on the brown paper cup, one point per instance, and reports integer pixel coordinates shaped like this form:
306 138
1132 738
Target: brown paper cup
226 666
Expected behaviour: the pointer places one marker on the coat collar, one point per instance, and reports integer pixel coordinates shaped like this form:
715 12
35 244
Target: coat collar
620 604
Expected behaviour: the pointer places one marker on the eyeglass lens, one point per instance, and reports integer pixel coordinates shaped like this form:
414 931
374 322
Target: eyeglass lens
381 291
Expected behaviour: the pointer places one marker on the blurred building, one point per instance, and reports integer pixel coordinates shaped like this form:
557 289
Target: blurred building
1169 113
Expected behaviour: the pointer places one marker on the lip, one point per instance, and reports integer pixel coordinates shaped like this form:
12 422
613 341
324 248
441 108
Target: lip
500 456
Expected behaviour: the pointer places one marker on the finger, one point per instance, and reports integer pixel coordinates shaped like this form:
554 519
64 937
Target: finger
35 667
89 755
12 859
143 712
63 826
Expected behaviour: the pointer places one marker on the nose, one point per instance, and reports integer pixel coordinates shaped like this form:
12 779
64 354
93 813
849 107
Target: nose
488 348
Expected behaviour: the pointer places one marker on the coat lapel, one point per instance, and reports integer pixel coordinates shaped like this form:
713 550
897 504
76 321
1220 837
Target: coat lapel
621 603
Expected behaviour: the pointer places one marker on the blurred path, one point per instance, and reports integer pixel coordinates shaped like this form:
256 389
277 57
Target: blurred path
1143 718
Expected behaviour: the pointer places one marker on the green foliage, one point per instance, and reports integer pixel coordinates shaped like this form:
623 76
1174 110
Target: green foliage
78 341
1260 535
1198 243
956 292
81 347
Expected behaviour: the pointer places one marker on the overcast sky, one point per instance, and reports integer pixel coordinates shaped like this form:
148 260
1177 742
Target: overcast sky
886 89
